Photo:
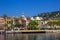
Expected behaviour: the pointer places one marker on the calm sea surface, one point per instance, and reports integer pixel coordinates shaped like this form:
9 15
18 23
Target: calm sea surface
32 36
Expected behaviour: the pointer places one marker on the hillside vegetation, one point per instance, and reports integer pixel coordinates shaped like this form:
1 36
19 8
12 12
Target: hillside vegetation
49 15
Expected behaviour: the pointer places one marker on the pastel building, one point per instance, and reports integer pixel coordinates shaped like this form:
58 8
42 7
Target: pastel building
8 23
13 20
32 19
2 21
37 19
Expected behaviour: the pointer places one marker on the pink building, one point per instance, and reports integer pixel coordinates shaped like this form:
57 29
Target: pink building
2 21
23 20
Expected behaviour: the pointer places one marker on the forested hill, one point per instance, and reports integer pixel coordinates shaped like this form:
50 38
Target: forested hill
48 15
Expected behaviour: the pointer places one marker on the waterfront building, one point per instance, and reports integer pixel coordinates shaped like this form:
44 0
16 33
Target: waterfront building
37 19
19 21
13 20
8 23
1 22
23 21
32 19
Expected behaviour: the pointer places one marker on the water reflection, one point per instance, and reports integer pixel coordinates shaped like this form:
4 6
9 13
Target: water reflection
36 36
1 37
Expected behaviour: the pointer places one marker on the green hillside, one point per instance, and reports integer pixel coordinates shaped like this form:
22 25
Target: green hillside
48 15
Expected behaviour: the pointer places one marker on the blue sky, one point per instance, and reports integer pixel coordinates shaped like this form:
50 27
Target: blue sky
29 7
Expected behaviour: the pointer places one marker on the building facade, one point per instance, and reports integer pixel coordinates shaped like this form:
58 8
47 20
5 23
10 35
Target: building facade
2 21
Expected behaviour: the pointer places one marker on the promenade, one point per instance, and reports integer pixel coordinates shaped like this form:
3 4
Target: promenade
34 31
31 31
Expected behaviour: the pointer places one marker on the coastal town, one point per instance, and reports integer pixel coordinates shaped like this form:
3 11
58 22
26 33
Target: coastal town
29 19
22 23
27 23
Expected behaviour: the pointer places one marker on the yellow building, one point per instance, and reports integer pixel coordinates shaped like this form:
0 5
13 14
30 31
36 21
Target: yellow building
8 22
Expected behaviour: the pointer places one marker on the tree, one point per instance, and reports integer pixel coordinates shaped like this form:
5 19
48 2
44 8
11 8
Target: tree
54 23
32 25
49 23
16 22
19 25
4 16
58 23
